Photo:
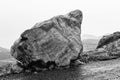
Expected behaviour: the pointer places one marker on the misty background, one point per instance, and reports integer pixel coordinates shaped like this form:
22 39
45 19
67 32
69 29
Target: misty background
100 17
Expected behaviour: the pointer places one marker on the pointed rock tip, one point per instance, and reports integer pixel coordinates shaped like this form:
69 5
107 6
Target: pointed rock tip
77 14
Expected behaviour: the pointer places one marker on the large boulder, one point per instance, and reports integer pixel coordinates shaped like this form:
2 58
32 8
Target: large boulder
57 40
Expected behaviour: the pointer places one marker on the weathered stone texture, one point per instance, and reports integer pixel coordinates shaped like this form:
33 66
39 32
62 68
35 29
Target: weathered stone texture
111 44
56 40
108 39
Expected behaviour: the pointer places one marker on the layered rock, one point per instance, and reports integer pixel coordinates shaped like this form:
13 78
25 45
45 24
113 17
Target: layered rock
57 40
111 44
96 55
108 39
107 48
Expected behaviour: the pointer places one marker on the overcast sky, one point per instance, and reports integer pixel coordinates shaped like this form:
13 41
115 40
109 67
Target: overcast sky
99 16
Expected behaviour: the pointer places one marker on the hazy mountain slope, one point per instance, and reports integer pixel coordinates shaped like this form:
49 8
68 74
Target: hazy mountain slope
90 41
89 36
4 54
89 44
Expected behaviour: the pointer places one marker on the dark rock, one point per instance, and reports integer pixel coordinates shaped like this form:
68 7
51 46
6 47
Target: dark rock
108 48
57 40
113 48
108 39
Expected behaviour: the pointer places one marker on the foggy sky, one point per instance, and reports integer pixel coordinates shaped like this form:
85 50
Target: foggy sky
99 16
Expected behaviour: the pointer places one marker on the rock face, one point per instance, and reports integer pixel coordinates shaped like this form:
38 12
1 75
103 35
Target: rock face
108 39
107 48
111 43
57 40
113 48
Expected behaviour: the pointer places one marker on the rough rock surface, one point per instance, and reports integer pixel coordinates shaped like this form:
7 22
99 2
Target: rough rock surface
108 48
98 55
110 44
108 39
57 40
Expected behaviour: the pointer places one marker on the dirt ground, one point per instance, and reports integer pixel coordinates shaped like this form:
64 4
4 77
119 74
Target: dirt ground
101 70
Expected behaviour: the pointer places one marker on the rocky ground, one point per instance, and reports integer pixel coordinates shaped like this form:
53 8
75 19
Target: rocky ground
100 70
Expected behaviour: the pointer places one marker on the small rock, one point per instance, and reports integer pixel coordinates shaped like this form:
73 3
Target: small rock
108 39
10 68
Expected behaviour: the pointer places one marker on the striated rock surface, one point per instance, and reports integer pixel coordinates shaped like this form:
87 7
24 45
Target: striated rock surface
57 41
100 70
108 39
98 55
110 44
107 48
